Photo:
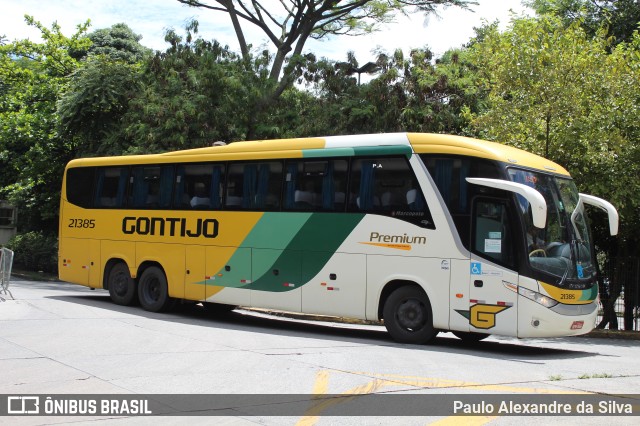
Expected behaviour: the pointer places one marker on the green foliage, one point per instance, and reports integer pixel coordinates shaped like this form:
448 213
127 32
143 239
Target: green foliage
119 43
94 103
193 94
407 93
52 56
96 96
288 27
35 251
32 153
619 17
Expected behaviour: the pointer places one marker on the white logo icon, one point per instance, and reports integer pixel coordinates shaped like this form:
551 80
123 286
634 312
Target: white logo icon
23 405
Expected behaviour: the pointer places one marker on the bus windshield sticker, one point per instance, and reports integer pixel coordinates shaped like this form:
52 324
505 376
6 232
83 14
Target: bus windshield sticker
492 246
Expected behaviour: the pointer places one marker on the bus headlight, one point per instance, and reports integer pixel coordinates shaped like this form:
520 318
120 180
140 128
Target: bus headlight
543 300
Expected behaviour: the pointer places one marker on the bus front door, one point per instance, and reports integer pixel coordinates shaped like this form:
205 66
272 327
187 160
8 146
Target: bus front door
492 305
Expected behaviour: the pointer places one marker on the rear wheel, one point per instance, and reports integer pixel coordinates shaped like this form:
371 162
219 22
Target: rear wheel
407 316
153 291
122 288
469 337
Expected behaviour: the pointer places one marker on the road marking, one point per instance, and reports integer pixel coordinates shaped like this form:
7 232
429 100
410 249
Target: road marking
312 415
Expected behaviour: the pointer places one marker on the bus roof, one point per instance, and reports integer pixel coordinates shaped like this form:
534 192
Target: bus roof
348 145
432 143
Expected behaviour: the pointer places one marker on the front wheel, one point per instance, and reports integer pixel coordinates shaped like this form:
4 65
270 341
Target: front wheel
153 291
122 288
407 316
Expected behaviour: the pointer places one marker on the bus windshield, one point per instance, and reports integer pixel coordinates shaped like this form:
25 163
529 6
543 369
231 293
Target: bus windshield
563 247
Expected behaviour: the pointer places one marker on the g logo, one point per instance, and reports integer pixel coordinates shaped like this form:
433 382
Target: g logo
484 316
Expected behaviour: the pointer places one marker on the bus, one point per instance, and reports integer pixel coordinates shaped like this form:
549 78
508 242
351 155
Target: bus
426 232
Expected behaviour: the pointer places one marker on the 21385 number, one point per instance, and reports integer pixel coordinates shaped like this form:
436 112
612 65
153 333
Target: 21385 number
82 223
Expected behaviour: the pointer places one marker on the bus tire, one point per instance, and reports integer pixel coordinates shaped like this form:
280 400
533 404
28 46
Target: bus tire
153 291
407 316
469 336
122 288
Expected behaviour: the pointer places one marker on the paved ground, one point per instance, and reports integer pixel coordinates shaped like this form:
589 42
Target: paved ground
57 338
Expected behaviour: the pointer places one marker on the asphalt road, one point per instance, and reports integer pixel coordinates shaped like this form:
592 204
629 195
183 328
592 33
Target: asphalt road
58 338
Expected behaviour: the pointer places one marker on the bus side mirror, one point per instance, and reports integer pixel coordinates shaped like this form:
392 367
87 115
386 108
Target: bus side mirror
612 213
535 198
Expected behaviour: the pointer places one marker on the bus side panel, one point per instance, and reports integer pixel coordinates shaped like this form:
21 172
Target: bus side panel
276 279
195 276
430 273
171 259
95 266
493 308
228 273
459 295
339 288
74 260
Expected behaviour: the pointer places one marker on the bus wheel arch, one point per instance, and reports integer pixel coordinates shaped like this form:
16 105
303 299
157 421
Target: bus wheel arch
407 313
117 279
153 288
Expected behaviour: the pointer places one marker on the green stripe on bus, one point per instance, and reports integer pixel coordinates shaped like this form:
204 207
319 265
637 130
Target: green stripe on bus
357 151
307 253
590 294
329 152
383 150
275 230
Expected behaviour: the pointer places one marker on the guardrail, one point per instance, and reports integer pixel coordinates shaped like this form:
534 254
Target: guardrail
6 262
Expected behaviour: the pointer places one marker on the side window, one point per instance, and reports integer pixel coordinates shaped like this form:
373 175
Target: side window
199 186
317 185
151 187
492 236
7 215
254 186
388 186
450 176
80 186
111 186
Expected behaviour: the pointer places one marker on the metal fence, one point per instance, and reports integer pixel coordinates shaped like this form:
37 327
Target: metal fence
6 262
620 287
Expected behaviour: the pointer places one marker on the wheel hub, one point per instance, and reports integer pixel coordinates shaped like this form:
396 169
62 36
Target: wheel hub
411 314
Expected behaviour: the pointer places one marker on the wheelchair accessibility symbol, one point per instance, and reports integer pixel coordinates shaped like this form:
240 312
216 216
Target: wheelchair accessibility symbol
476 268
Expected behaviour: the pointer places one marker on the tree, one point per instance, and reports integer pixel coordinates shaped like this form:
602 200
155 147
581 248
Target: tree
409 92
32 153
621 17
98 93
118 42
96 98
195 93
434 92
290 24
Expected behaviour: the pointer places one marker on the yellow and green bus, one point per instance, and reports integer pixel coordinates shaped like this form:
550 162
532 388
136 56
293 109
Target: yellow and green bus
426 232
